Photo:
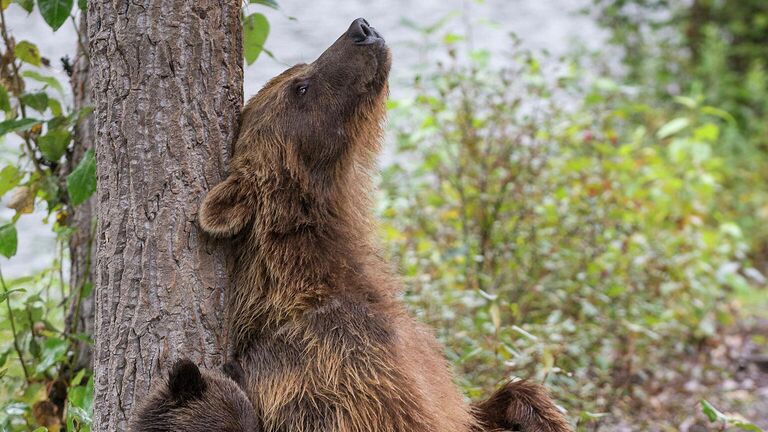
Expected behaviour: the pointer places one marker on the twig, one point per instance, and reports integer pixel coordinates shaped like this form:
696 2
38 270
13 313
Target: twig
86 271
13 328
83 50
60 271
16 76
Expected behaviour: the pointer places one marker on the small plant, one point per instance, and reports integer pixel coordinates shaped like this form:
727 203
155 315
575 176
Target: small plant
725 420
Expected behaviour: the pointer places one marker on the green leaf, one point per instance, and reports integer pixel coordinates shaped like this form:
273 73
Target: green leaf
9 178
81 114
55 106
28 52
60 122
53 144
6 294
49 190
707 132
269 3
55 12
81 183
747 426
672 127
76 395
452 38
713 414
686 101
480 56
37 101
5 100
18 125
81 396
88 400
82 337
717 112
80 400
87 290
70 120
82 4
76 382
53 350
255 31
51 81
8 240
27 5
80 414
34 348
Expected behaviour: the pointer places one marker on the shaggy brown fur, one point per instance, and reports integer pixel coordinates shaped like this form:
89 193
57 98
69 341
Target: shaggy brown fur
190 400
315 321
521 406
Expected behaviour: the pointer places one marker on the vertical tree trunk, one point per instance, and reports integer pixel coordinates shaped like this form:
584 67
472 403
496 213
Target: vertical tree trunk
167 82
81 244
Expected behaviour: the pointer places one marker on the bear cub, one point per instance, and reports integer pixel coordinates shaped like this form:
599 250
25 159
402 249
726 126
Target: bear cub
194 400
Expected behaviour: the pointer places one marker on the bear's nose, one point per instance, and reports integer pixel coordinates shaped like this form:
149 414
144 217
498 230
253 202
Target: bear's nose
362 33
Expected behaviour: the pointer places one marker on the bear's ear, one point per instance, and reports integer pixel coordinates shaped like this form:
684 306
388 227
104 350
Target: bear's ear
226 209
185 381
234 371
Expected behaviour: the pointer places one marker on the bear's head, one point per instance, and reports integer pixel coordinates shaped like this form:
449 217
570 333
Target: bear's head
312 130
194 400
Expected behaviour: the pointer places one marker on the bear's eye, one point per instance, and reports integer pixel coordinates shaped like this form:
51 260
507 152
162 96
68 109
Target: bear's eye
301 89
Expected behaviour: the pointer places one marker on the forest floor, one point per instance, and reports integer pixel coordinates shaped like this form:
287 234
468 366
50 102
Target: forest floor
731 372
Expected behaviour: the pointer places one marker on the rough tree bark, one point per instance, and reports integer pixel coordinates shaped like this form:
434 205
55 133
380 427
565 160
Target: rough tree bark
81 244
167 86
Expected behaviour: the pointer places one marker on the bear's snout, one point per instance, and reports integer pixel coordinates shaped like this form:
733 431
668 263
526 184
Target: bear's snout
362 33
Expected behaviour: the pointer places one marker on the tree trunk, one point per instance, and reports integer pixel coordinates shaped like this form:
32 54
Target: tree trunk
167 82
81 245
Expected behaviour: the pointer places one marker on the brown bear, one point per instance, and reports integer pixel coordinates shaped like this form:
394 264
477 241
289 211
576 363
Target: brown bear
191 400
315 319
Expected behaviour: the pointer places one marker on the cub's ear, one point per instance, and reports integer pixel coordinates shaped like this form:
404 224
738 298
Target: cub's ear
185 381
233 370
227 208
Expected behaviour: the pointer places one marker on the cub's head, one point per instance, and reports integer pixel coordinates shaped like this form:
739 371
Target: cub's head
310 126
191 400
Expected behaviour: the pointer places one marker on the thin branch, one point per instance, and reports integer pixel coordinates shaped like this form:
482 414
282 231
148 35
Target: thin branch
16 345
86 271
83 50
16 76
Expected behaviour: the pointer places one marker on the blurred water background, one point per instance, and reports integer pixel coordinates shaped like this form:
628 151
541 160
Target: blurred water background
301 30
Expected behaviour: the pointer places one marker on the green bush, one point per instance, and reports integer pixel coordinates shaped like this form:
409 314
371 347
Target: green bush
568 235
35 357
716 50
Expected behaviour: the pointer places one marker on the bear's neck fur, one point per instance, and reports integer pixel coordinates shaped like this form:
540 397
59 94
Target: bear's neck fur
311 235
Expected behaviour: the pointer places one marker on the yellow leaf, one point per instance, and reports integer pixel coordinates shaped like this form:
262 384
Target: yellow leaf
22 200
495 315
548 359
